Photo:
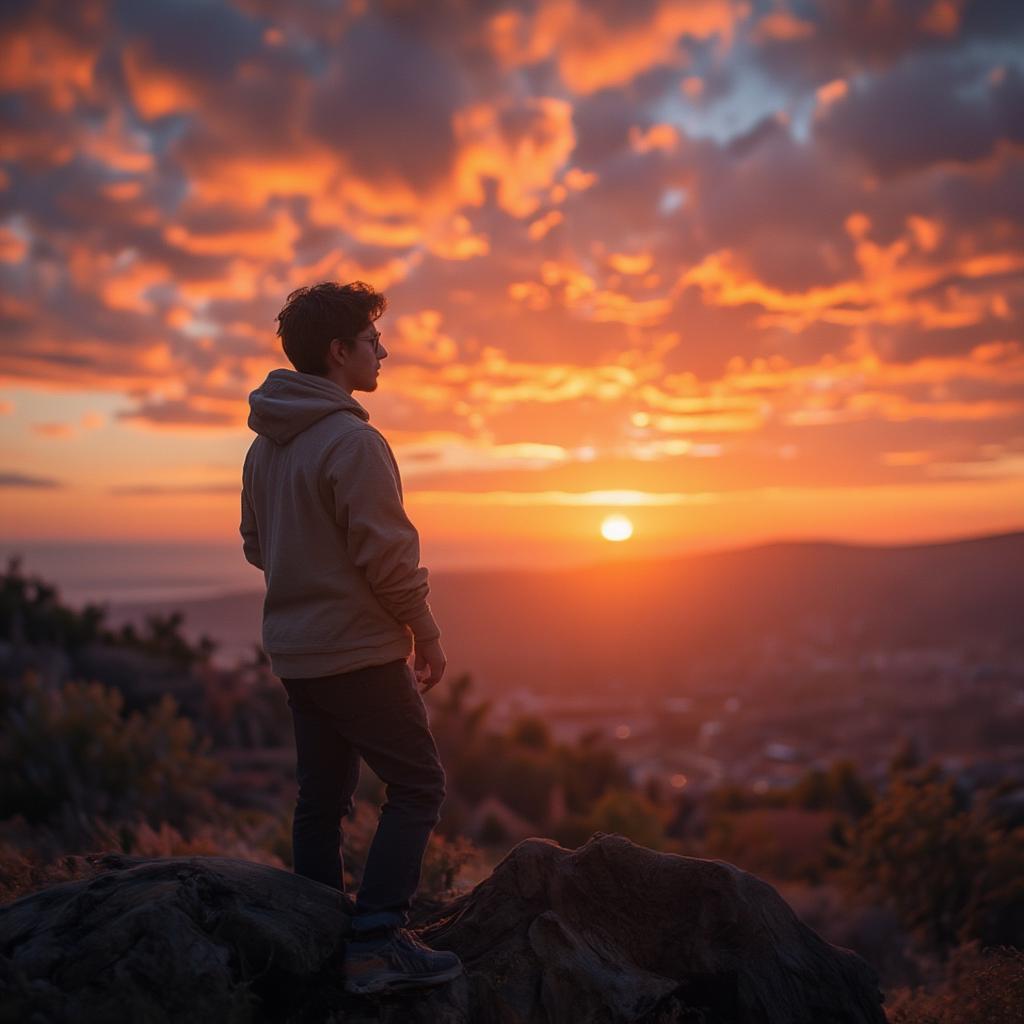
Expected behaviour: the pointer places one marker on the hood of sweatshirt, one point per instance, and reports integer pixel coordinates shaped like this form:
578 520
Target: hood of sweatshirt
288 402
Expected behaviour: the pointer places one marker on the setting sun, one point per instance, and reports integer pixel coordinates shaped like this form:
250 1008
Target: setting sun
616 528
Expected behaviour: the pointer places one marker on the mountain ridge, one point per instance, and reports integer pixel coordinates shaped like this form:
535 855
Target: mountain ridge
629 619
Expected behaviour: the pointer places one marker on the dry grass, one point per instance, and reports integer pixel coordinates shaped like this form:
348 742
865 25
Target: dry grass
983 986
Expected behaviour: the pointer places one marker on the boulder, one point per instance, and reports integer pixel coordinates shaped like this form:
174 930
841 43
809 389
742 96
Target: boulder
605 933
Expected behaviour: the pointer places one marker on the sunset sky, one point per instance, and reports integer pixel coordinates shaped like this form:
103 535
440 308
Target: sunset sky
736 270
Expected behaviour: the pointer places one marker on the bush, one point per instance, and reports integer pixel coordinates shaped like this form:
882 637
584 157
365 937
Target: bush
839 789
619 811
782 843
31 613
70 758
983 986
442 863
950 871
531 731
24 871
443 860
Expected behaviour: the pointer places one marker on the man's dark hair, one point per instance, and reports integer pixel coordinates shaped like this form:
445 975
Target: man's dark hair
313 316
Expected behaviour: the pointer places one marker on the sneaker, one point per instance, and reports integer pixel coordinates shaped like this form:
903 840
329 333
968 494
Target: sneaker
397 962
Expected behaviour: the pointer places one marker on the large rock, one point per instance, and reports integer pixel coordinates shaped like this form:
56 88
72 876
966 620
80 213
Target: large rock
609 932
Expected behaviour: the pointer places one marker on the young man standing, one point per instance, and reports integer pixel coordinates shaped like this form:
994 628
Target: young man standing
346 603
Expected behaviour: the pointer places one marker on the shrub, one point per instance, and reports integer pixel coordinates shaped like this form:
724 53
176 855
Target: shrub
949 870
619 811
983 986
782 843
69 758
24 871
442 863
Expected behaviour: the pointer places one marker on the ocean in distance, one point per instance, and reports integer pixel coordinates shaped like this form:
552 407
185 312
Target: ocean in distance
130 573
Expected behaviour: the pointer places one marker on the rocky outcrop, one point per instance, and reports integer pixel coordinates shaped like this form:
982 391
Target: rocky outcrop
609 932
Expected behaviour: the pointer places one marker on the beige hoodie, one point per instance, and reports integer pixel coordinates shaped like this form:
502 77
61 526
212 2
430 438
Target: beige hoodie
322 516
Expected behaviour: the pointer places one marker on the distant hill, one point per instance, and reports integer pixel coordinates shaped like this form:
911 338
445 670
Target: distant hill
640 621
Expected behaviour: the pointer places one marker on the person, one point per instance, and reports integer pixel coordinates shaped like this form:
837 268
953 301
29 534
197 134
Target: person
322 515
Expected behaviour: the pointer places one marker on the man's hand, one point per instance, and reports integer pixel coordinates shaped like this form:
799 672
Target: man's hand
430 663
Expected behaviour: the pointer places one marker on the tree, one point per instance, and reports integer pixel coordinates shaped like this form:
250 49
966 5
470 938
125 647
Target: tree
531 731
620 811
949 870
70 757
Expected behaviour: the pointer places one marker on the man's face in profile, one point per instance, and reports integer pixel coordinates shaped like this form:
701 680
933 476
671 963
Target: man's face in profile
363 358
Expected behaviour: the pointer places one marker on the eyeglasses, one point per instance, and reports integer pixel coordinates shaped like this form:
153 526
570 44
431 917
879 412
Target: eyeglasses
374 340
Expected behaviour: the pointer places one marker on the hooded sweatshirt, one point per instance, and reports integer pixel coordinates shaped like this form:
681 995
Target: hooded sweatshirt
323 517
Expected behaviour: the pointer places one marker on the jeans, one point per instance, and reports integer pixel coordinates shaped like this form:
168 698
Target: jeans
377 714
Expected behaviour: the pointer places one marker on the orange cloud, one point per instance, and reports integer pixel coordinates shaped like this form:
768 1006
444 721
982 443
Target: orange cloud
453 238
116 146
579 292
692 86
532 295
631 263
420 337
540 227
523 147
42 60
893 287
53 430
831 93
664 137
442 452
252 179
782 26
594 53
156 91
13 245
900 408
253 236
943 17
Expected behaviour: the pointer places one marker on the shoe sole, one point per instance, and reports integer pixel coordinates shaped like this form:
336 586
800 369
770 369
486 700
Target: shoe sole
400 982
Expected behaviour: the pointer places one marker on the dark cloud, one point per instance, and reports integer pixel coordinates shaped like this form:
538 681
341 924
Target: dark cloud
846 37
926 112
24 481
161 490
178 412
389 106
184 166
993 20
195 38
602 123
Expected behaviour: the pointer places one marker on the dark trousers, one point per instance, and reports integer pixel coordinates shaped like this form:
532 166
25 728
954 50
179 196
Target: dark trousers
377 714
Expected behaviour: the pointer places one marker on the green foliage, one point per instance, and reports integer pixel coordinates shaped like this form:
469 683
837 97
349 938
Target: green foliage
781 843
731 796
950 872
839 789
588 771
31 613
621 811
163 639
531 731
443 860
442 863
492 831
522 767
520 777
70 757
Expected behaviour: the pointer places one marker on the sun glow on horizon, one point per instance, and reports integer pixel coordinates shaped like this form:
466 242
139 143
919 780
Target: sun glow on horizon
616 528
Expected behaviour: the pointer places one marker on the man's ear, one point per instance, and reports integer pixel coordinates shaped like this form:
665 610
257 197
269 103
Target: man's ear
336 351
